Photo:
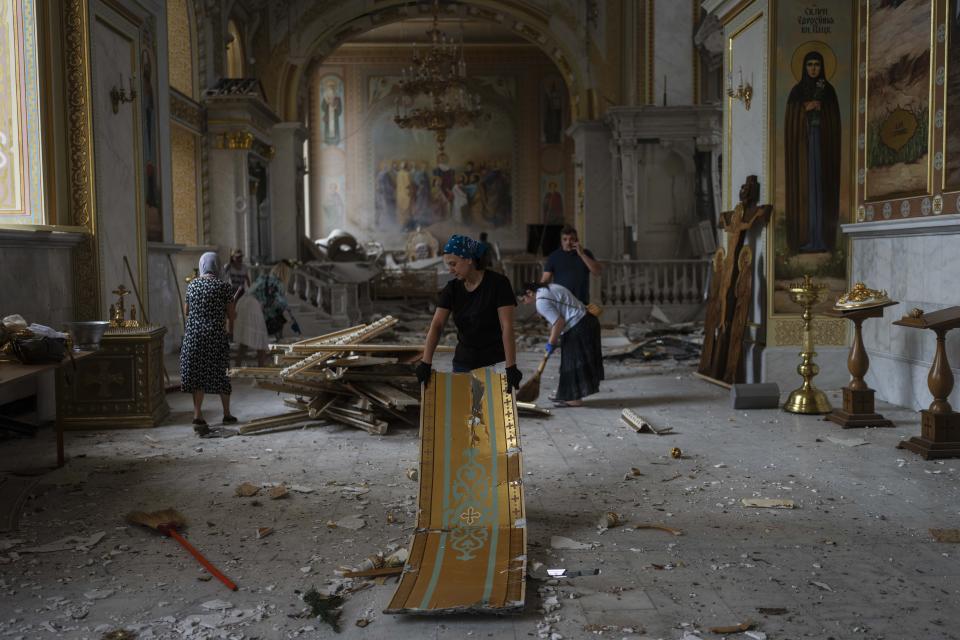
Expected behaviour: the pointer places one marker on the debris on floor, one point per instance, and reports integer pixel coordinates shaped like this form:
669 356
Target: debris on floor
324 606
946 535
768 503
653 341
562 542
847 442
658 527
70 543
247 490
609 520
640 424
736 628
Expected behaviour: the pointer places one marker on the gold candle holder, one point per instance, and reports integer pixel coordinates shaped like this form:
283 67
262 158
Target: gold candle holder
807 399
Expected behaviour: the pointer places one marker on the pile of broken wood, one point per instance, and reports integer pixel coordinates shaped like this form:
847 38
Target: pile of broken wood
343 378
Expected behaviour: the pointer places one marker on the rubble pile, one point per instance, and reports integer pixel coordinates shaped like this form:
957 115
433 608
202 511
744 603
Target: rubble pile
342 378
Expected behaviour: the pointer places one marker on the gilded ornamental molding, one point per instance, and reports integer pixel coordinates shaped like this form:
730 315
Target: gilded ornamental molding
186 111
79 123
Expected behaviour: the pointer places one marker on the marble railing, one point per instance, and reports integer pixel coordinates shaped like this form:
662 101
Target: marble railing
633 283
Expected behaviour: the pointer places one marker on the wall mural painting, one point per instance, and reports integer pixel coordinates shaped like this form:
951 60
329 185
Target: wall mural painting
812 101
152 190
467 189
952 151
552 209
333 201
331 111
898 97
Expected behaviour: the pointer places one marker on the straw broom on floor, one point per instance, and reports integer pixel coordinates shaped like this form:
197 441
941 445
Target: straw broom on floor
167 522
530 390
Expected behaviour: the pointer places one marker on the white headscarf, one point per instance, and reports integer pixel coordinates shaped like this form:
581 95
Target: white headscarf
209 264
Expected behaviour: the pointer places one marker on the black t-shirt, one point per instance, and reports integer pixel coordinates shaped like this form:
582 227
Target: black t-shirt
570 271
479 337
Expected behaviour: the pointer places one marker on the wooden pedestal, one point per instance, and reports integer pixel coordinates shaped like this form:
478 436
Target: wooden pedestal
858 406
858 410
939 436
939 424
119 386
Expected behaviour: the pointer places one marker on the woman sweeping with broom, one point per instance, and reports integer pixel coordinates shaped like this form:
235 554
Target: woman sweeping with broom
576 333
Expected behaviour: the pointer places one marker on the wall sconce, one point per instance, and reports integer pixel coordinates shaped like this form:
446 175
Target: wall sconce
743 92
118 96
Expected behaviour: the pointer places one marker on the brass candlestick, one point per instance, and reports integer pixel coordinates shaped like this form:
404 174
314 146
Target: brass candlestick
807 399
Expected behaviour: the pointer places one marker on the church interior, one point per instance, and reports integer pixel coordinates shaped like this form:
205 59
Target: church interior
527 318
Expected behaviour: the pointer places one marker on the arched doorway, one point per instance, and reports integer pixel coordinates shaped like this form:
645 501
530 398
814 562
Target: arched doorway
382 183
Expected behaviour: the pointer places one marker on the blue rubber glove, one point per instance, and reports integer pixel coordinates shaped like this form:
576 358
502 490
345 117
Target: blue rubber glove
296 327
551 348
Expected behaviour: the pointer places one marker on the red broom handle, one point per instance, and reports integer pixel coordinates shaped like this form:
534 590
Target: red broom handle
199 556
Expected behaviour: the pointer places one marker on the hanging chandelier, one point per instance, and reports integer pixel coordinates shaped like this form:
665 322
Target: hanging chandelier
434 88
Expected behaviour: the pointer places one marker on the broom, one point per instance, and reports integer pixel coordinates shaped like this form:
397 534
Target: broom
167 522
530 390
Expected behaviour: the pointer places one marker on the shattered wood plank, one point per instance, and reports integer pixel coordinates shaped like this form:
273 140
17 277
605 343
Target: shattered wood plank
318 410
285 348
297 403
386 394
378 427
333 346
532 409
292 388
274 421
377 347
359 361
327 337
468 554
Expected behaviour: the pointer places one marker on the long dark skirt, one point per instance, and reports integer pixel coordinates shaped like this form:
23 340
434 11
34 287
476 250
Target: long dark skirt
581 361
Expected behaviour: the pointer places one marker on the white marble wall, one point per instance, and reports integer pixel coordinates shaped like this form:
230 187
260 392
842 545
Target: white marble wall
673 52
746 139
593 162
165 306
918 271
36 282
228 202
286 189
120 227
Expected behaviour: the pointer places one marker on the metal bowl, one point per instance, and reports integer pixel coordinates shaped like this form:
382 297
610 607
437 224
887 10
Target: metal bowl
87 335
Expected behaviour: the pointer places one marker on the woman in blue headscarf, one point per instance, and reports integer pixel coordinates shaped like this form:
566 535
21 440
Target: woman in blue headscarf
482 304
205 354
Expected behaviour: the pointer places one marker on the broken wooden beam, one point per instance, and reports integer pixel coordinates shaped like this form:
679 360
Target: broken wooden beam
274 421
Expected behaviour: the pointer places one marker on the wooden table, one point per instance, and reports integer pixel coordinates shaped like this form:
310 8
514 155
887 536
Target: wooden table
939 424
858 401
12 371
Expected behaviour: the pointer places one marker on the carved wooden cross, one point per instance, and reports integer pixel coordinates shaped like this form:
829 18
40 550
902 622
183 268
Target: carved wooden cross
736 223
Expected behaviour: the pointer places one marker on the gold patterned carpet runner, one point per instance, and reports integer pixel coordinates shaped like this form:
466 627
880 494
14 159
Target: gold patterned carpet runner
468 553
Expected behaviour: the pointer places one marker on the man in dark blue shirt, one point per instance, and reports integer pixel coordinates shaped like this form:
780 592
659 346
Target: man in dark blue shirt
571 265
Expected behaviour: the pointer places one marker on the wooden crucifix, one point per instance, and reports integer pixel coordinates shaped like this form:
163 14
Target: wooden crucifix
735 224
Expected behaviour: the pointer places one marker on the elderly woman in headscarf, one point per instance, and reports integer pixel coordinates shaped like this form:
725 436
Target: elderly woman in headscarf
482 304
205 354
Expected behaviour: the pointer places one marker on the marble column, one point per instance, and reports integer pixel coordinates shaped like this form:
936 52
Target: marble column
228 198
594 195
286 185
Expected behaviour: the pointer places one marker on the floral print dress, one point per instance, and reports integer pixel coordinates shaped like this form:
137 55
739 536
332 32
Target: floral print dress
205 354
